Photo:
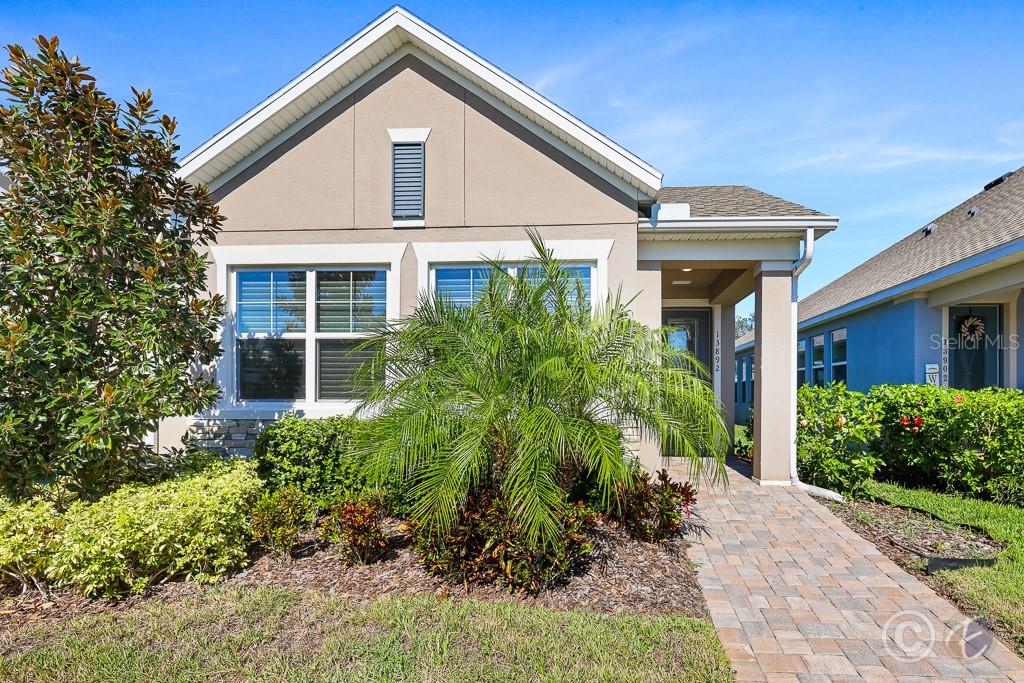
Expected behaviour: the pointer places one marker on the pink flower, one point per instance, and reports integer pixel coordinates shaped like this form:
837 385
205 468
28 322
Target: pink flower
916 429
905 421
918 421
959 398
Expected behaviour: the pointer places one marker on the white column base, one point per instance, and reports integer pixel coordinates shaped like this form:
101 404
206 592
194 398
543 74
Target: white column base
772 482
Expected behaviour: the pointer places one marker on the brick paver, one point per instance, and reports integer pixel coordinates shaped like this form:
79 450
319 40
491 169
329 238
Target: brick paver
798 596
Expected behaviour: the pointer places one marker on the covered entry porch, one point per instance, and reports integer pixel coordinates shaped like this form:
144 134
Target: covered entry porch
692 272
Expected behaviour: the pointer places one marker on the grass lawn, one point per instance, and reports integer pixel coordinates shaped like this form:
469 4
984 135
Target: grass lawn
287 635
996 592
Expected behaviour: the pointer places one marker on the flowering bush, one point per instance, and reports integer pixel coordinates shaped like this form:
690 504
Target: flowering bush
834 429
971 442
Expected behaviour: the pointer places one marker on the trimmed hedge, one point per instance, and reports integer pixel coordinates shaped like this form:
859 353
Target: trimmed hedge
317 456
922 436
835 428
970 442
195 527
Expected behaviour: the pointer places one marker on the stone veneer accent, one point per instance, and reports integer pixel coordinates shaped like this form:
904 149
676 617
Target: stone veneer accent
229 436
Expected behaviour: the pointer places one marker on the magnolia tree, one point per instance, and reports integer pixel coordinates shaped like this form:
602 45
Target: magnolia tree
106 323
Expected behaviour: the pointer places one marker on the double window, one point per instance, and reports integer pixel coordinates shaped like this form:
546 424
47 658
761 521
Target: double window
839 355
464 284
287 319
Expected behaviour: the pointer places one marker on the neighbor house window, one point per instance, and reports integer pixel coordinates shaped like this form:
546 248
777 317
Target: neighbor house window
839 355
407 179
463 285
753 368
287 319
743 380
801 362
818 360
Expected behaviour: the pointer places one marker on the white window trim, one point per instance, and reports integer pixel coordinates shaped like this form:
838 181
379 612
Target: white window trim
429 254
228 259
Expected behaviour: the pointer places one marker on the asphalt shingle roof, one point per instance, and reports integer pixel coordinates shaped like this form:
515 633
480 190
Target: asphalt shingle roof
731 200
956 235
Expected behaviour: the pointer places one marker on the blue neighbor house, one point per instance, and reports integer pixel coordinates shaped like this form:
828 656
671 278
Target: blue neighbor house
944 305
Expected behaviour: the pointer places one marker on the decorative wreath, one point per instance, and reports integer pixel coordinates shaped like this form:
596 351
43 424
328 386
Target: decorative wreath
972 327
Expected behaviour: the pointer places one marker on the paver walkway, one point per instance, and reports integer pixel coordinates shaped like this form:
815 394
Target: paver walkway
798 596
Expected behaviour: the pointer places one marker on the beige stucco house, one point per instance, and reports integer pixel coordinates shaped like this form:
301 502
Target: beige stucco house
401 159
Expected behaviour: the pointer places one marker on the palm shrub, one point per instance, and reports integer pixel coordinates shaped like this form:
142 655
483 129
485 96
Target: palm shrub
524 392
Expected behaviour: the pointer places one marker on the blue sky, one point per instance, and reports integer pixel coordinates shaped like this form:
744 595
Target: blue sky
885 114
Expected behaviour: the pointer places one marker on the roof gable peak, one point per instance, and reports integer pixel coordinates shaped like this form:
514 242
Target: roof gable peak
285 111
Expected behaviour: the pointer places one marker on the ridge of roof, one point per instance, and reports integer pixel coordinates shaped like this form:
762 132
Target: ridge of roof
375 43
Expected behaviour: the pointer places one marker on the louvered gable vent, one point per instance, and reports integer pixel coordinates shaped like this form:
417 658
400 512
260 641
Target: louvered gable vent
407 179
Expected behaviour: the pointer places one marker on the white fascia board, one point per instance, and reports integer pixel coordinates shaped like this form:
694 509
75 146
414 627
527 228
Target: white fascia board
720 250
740 223
632 168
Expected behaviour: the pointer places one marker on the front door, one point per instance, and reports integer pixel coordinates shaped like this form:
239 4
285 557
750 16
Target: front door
974 348
691 331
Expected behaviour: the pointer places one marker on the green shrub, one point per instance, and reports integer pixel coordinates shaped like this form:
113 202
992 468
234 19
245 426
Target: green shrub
194 527
316 455
835 427
487 544
279 517
355 525
104 307
970 442
28 536
653 511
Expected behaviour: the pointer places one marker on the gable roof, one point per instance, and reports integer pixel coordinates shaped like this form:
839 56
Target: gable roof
720 201
392 34
954 236
744 339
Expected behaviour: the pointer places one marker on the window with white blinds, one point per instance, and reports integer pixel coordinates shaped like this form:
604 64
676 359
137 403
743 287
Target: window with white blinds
463 285
407 179
274 344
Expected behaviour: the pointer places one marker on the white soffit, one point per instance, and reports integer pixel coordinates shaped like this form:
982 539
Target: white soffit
377 42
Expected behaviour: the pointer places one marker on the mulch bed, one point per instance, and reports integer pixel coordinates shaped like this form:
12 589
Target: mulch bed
909 537
625 577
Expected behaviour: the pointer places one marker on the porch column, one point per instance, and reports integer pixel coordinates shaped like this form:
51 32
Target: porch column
647 310
775 372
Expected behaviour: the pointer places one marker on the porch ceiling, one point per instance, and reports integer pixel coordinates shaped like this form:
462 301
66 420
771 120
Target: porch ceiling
721 282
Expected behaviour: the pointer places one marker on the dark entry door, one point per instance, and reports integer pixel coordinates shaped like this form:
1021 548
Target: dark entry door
692 331
974 348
